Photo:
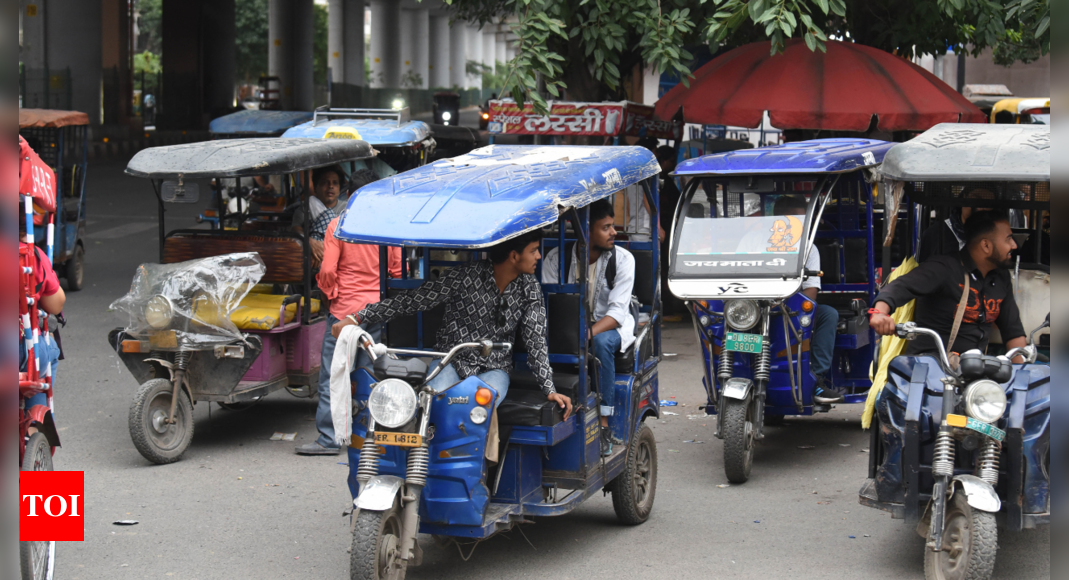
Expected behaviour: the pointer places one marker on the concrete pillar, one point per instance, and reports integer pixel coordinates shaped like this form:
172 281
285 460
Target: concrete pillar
336 40
219 57
458 54
421 45
489 47
386 44
501 44
439 48
353 46
32 49
303 37
280 48
475 53
66 31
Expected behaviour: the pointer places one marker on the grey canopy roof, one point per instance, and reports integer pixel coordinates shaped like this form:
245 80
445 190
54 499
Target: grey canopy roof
245 157
972 152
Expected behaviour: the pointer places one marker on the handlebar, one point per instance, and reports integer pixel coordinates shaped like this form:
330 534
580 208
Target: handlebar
376 350
910 331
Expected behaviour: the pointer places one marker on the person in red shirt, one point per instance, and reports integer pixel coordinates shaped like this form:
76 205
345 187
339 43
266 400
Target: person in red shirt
50 298
349 279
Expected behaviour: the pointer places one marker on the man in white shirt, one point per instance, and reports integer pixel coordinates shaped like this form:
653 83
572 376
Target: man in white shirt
825 318
611 279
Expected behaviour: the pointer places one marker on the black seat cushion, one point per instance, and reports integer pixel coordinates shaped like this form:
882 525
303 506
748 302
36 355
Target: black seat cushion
829 260
644 276
529 409
402 331
563 321
565 383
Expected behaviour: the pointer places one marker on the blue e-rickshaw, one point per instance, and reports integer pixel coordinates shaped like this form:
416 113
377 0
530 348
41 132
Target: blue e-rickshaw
432 475
741 267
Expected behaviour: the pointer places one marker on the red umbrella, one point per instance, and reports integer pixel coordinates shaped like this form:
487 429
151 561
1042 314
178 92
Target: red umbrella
839 90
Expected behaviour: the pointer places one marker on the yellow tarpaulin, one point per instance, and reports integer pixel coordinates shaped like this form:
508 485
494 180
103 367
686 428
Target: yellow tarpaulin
890 347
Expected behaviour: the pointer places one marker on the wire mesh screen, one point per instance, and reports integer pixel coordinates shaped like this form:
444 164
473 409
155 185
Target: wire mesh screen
984 194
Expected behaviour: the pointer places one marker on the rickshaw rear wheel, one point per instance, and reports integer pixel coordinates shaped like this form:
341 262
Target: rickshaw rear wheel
633 491
376 550
75 272
154 438
738 439
970 543
37 559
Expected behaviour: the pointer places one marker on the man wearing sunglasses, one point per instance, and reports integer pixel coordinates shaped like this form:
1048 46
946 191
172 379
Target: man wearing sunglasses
487 299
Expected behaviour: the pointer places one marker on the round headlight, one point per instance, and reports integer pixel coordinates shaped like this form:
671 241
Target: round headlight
159 312
446 115
805 320
741 314
985 401
478 415
392 403
398 104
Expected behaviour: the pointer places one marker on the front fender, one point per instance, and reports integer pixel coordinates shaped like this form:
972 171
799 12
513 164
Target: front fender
980 494
738 388
379 493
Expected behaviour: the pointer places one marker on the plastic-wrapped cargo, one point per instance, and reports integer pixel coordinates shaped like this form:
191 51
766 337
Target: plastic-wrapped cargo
187 305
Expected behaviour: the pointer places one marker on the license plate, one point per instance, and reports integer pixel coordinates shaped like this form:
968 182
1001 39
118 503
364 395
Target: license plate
978 426
739 342
399 439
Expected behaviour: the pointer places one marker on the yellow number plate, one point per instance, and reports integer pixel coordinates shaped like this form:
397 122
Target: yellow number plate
399 439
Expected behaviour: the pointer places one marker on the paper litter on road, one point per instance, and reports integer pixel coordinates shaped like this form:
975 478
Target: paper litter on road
697 416
667 413
667 403
694 441
724 485
844 445
283 436
673 451
125 523
807 447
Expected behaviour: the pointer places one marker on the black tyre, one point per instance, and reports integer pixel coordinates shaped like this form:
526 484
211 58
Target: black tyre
376 552
75 273
738 439
37 560
633 491
970 542
157 441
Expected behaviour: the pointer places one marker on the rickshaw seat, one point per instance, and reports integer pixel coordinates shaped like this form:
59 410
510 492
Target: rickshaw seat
260 311
528 409
282 253
644 276
523 381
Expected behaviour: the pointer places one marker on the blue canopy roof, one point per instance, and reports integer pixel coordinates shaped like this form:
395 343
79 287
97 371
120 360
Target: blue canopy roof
374 131
259 123
816 156
489 195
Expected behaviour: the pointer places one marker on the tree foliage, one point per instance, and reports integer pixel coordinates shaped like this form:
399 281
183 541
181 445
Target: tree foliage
588 47
150 26
250 20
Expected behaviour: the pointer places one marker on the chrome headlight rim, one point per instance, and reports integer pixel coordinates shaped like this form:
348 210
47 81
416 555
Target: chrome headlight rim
745 320
979 397
392 403
164 307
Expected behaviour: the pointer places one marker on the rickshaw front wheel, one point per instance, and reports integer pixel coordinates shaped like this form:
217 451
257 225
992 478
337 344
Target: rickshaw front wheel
75 271
970 542
37 559
376 550
634 489
157 440
738 439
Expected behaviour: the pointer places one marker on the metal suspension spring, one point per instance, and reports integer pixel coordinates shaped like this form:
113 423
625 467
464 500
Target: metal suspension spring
943 457
417 466
727 359
989 461
763 367
369 460
181 359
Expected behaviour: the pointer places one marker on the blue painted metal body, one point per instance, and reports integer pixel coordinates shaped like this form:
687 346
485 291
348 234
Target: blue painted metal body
502 192
489 195
66 151
801 157
257 123
378 132
909 412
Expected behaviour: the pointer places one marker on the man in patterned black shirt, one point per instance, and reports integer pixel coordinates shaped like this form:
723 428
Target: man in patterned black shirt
484 300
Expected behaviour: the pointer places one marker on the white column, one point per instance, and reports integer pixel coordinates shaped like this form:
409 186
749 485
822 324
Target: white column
336 40
386 44
303 34
458 54
500 44
489 47
352 72
475 53
280 47
32 50
421 42
407 42
439 47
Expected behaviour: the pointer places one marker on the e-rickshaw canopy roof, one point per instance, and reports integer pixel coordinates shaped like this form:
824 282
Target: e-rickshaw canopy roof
816 156
840 90
258 123
489 195
244 157
50 118
972 152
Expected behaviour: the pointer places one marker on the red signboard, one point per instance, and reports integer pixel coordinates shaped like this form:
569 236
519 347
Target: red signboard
640 122
589 119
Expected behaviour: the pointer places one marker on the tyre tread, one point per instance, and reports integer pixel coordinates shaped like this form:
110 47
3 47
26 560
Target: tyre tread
623 498
137 427
735 464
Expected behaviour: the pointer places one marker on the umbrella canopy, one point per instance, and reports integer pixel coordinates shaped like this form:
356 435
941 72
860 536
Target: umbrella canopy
840 90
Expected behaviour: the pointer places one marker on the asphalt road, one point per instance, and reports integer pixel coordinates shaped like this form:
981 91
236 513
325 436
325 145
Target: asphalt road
240 506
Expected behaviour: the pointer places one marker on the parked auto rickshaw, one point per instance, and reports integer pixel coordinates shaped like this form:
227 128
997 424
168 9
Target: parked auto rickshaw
741 265
950 464
1021 111
61 139
252 123
446 108
226 316
430 473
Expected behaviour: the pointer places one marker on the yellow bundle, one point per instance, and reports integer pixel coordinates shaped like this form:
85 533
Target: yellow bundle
260 311
890 347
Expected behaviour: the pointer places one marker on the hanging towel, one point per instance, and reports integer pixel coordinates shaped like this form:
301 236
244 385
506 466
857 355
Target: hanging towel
890 347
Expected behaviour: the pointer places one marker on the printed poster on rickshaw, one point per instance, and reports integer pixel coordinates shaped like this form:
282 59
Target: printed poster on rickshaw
565 118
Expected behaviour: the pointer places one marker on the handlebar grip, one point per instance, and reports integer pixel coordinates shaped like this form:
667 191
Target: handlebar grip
816 273
502 346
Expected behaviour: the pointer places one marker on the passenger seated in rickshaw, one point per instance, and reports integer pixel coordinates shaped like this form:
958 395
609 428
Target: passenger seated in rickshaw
939 284
485 300
611 280
325 204
825 318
